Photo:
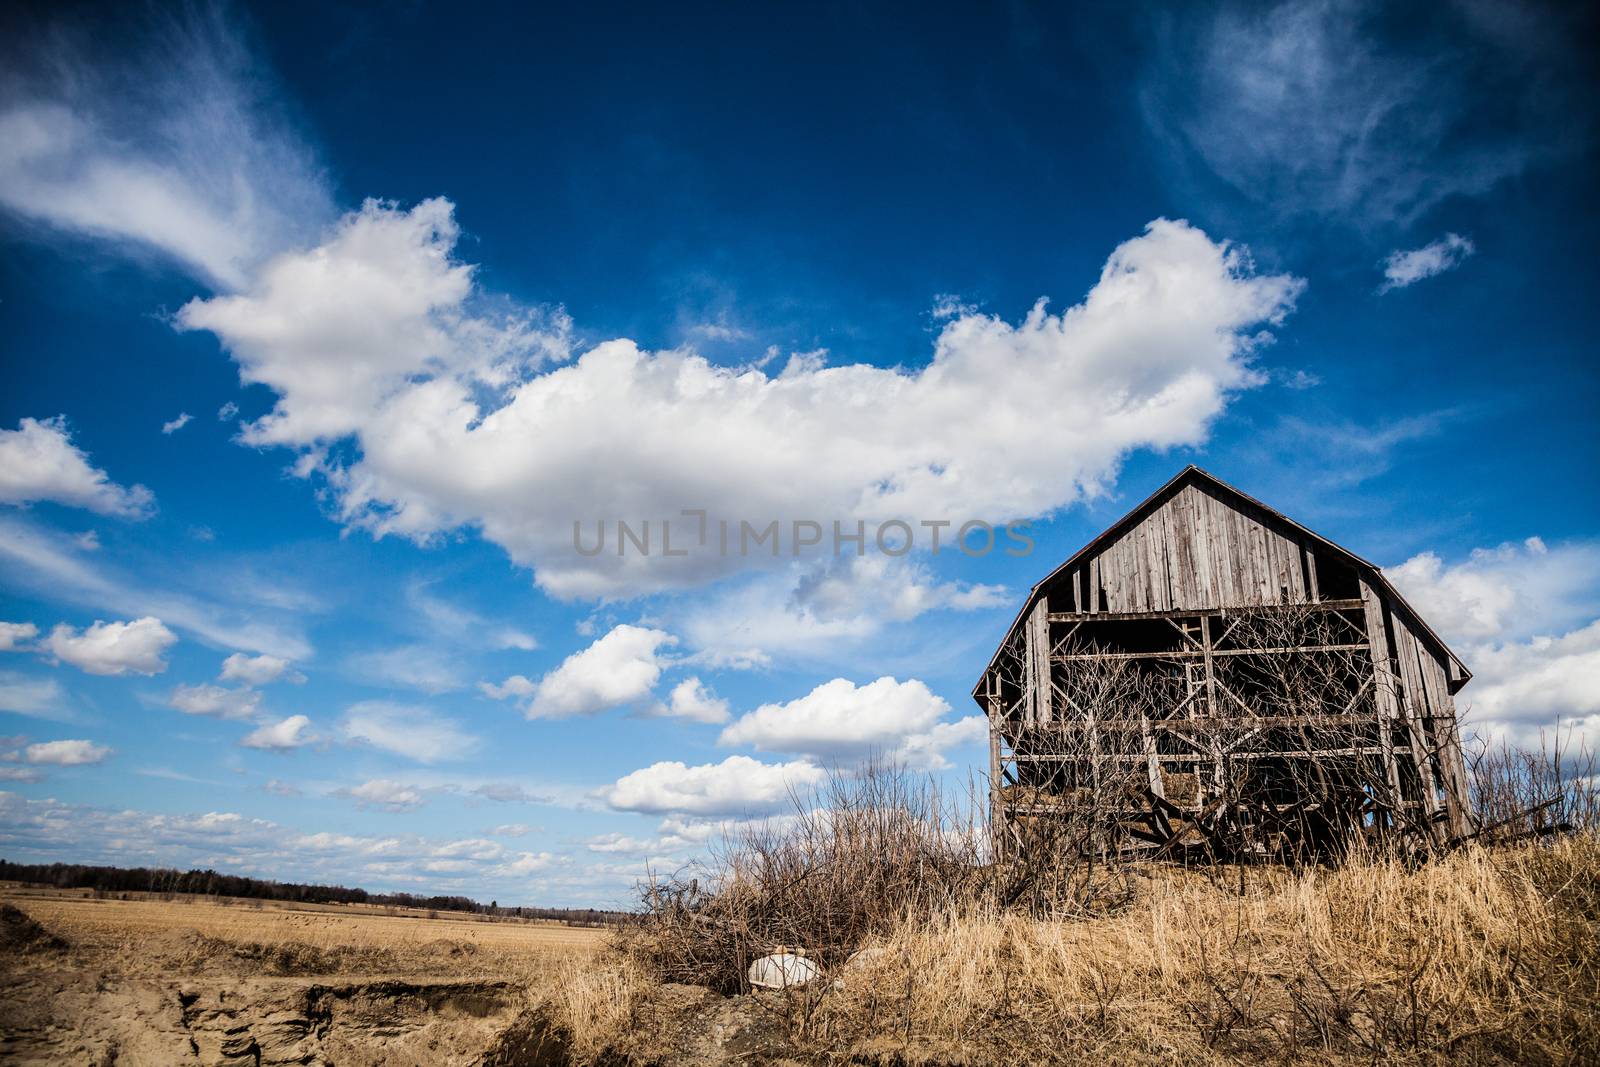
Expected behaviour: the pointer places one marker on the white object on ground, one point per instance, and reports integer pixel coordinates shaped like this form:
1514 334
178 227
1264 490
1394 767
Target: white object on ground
782 969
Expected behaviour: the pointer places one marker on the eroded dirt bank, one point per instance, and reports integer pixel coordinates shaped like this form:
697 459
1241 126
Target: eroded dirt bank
193 999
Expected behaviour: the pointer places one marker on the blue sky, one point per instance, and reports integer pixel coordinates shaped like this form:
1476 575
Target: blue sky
320 330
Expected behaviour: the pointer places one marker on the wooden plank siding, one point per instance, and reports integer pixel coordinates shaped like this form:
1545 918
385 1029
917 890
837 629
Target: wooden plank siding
1198 551
1191 554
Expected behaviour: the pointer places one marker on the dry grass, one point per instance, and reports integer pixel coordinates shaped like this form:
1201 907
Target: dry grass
152 938
1481 957
1483 954
108 923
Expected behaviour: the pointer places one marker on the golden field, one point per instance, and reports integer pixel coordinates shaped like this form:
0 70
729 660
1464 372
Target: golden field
105 922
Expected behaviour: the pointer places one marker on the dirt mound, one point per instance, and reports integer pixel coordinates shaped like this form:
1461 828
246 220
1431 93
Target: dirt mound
691 1026
20 933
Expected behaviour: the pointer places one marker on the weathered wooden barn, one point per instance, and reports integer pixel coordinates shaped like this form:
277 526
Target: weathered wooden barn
1209 675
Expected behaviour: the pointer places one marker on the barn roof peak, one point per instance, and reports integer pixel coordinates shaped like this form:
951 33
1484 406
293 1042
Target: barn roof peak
1192 474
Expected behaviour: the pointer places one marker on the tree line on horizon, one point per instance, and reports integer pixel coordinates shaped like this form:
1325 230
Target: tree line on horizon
211 883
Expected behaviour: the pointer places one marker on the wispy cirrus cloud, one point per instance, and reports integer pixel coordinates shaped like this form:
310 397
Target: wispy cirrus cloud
55 565
1407 267
1331 109
166 142
407 730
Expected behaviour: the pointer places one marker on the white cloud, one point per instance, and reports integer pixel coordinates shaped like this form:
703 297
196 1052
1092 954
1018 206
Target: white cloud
41 560
690 699
281 736
1404 268
66 753
183 419
413 732
17 636
38 697
527 863
258 670
738 785
509 793
810 610
377 305
178 152
47 829
423 667
114 647
214 700
517 685
377 336
517 639
228 412
619 668
1512 591
1525 685
620 843
1317 107
385 793
452 622
1523 619
38 461
840 720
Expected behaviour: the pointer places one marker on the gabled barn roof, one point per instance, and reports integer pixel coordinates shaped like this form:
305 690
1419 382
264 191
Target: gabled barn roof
1194 475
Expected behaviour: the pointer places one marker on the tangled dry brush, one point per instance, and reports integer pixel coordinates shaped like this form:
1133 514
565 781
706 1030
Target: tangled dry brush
1488 953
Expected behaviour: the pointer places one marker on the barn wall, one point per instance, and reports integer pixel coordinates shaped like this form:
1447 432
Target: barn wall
1193 551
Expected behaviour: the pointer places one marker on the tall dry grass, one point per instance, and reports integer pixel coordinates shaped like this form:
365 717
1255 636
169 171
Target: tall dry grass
1480 954
1479 957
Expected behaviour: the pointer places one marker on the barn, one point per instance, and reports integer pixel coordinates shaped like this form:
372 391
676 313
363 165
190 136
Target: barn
1209 676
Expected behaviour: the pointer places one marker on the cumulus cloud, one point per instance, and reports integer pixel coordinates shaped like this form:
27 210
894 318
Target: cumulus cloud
385 793
377 306
839 720
38 461
1523 618
178 152
17 636
215 701
133 647
281 736
413 732
377 336
172 427
1511 591
690 699
619 668
258 670
74 753
738 785
1404 268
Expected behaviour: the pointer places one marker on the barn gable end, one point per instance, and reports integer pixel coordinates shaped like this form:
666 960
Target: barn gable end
1170 594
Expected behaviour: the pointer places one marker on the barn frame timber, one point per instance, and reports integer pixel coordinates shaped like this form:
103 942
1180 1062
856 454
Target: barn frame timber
1208 676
